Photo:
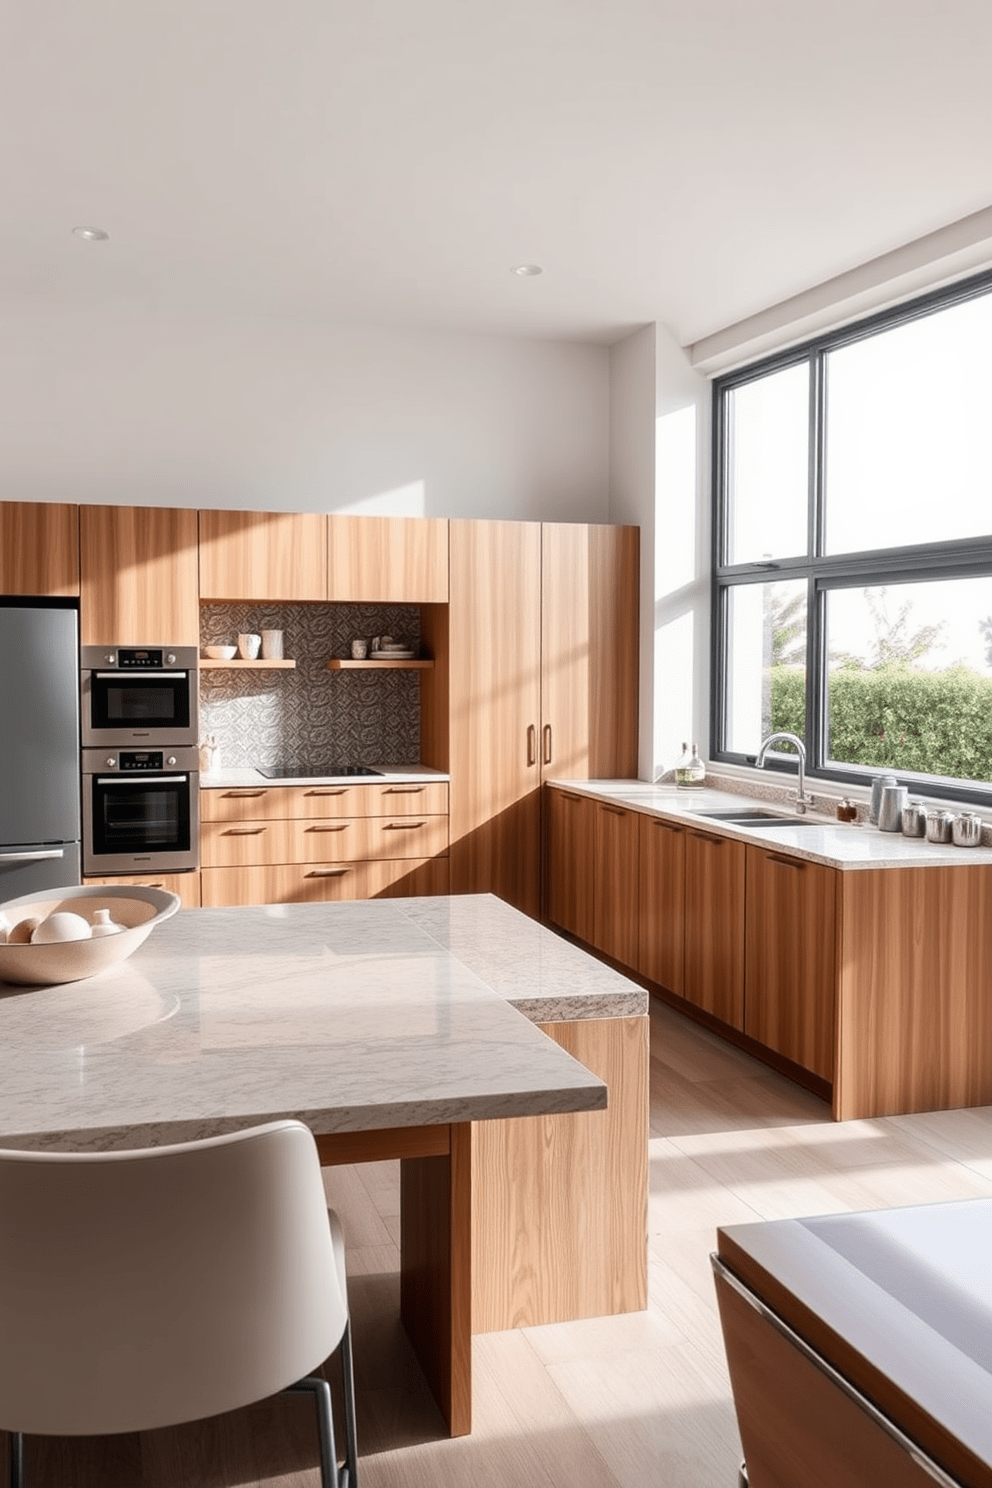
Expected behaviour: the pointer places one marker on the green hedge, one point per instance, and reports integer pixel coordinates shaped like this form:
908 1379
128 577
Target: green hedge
937 723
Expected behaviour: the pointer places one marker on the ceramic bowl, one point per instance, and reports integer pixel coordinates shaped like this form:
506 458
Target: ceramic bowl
221 653
39 965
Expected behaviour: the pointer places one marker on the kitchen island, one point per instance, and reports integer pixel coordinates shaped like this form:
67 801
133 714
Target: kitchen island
389 1027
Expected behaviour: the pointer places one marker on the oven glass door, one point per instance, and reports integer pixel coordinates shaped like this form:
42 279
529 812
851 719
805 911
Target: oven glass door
131 701
135 815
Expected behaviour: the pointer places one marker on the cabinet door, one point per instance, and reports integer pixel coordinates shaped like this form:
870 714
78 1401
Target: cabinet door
138 576
263 555
615 883
39 548
790 981
399 560
571 849
714 926
589 650
323 883
495 701
661 928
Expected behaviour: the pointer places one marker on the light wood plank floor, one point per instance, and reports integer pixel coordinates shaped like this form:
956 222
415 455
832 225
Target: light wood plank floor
627 1402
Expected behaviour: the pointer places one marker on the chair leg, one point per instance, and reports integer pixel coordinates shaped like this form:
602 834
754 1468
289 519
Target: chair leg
321 1391
349 1475
16 1460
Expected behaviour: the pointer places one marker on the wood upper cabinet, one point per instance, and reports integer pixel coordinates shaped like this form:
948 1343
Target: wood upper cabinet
397 560
571 830
495 709
589 651
39 548
138 575
714 925
790 977
661 903
615 883
263 555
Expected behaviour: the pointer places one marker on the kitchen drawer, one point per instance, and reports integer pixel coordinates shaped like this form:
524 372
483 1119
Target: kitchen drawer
323 883
363 837
232 844
253 803
282 802
186 885
421 798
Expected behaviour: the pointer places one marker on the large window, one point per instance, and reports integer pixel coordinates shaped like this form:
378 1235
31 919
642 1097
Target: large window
853 549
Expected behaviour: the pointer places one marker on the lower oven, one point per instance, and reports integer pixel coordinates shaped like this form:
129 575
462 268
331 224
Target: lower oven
141 810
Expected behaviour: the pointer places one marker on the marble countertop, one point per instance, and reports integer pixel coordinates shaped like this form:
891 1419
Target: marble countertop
351 1017
240 776
838 844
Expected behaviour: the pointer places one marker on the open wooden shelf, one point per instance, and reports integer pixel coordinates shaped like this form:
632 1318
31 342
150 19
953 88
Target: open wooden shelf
207 664
339 664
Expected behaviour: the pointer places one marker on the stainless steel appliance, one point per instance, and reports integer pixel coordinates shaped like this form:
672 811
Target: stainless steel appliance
138 696
141 810
39 746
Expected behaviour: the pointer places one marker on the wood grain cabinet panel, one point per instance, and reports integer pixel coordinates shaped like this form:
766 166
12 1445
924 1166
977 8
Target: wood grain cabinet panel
186 885
322 883
615 883
495 710
138 576
397 560
263 555
39 548
661 903
790 973
571 851
714 926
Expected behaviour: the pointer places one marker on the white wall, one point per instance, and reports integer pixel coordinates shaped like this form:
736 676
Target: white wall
659 471
121 405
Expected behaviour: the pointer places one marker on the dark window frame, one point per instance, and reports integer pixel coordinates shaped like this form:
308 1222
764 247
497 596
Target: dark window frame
961 558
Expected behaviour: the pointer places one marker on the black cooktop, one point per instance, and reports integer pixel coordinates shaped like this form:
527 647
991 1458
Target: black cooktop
312 772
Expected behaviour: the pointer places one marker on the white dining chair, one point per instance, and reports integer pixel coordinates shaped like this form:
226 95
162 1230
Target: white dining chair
149 1288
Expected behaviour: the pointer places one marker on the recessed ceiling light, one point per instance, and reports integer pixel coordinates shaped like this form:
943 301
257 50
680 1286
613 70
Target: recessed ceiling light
91 234
526 271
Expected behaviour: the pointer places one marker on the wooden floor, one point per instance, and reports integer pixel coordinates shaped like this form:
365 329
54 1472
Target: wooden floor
629 1402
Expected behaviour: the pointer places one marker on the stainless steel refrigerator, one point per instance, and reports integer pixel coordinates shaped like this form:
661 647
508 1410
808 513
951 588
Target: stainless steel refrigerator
39 746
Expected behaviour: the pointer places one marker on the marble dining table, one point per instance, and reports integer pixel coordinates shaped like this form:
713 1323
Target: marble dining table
387 1026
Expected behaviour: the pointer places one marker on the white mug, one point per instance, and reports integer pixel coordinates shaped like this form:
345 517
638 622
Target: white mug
359 649
249 646
272 645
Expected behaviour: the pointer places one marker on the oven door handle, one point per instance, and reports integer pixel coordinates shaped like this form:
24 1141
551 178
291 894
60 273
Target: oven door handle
155 675
32 857
142 779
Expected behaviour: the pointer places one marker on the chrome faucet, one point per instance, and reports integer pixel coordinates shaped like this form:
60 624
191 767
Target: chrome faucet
802 800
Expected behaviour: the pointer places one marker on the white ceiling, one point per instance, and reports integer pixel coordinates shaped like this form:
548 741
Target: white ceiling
686 161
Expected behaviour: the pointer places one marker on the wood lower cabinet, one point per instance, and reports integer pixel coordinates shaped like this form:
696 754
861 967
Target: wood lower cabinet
614 916
39 549
661 903
263 555
571 829
714 926
790 975
393 560
138 576
295 844
186 885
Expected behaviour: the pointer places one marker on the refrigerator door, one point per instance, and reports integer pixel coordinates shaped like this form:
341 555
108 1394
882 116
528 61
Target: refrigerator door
39 725
34 868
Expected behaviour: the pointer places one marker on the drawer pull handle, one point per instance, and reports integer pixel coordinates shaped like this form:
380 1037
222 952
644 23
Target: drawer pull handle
336 827
546 739
342 790
568 796
244 831
531 744
667 826
402 826
712 841
786 862
240 795
403 790
613 810
328 872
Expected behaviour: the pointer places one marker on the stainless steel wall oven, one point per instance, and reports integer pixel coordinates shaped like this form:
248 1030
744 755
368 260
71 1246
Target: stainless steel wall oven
141 810
139 696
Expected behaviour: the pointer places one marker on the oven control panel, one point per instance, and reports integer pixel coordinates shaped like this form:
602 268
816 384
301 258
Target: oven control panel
141 761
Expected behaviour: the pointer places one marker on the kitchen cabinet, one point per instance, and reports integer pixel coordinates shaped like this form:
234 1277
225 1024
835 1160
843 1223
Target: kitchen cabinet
186 885
790 974
589 651
138 576
300 844
395 560
661 903
39 549
714 926
614 915
495 710
263 556
571 838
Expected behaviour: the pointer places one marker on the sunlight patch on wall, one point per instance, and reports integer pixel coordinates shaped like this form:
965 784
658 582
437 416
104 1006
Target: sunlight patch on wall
401 501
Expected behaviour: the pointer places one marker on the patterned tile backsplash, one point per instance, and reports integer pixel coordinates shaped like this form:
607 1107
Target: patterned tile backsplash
310 716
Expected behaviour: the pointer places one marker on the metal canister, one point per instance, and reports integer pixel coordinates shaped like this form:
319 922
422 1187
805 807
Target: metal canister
877 787
940 826
966 829
894 798
914 818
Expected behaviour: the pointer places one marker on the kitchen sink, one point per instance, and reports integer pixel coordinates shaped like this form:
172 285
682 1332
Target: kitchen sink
758 818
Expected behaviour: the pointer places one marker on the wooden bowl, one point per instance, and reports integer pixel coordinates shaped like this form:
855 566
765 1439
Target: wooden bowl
138 909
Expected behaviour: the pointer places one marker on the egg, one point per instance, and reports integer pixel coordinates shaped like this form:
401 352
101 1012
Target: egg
23 931
62 925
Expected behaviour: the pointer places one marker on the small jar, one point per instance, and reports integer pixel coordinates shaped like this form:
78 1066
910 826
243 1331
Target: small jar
914 818
966 829
940 826
846 811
